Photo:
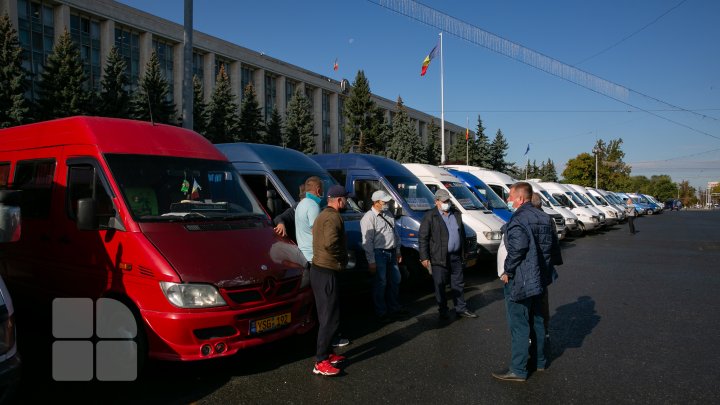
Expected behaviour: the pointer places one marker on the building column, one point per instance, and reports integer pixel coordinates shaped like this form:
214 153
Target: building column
317 116
107 41
280 96
62 20
333 111
145 52
208 75
259 84
236 81
178 72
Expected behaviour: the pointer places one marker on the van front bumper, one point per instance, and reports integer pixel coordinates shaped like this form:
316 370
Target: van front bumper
180 336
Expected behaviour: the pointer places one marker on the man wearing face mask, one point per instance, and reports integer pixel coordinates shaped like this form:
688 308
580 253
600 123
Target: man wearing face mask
329 257
442 250
381 243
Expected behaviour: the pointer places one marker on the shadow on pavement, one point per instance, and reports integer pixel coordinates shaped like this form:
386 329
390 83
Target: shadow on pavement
570 324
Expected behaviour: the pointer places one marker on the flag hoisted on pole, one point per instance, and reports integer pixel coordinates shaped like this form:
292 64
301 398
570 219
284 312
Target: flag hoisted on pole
424 69
335 65
527 162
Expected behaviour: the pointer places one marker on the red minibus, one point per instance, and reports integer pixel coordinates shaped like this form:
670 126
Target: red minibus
155 217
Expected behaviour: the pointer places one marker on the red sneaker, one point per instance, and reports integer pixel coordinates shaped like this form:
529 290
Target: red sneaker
335 359
325 368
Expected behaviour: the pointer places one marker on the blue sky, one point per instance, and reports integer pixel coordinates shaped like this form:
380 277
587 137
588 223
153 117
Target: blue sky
675 59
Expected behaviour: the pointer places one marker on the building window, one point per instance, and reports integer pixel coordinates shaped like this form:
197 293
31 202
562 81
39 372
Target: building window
164 51
198 67
270 95
36 31
85 33
309 95
128 44
246 74
290 87
341 123
325 122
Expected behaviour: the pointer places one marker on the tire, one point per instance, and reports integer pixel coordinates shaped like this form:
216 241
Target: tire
581 226
648 212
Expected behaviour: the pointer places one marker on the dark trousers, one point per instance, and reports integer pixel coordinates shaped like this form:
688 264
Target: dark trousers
452 272
631 224
325 289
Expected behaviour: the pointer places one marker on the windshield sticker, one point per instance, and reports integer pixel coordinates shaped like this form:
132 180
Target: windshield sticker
418 203
465 202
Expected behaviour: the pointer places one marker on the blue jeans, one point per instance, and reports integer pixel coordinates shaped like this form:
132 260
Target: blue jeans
386 286
519 314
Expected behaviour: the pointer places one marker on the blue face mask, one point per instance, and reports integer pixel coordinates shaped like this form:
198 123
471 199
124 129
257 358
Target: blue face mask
318 200
510 205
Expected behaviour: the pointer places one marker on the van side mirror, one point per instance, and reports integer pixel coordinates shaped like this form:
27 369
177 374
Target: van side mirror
398 211
87 219
10 225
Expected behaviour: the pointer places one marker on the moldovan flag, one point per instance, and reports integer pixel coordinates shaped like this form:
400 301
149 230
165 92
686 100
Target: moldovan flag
467 134
427 60
335 66
195 193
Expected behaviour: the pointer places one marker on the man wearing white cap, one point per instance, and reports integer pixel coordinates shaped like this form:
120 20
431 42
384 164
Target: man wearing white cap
381 243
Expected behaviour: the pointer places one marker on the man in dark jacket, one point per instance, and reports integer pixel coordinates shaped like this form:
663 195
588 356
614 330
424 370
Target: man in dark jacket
532 247
442 238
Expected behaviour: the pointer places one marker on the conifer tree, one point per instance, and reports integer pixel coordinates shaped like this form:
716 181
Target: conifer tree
251 122
484 155
200 108
153 96
550 173
377 139
299 125
432 146
405 146
13 107
498 151
456 154
223 118
273 130
358 112
114 97
60 90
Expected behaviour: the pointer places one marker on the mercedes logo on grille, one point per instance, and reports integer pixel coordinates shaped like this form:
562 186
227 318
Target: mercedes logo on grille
268 286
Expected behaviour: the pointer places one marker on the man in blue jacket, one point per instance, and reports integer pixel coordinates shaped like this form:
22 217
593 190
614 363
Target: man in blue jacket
531 244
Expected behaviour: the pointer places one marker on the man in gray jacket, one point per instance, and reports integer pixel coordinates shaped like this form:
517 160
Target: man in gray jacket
532 245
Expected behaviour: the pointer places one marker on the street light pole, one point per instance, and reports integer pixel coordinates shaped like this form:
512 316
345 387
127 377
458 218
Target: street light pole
596 151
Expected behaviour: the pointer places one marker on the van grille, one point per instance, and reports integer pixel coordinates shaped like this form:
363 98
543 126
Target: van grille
270 290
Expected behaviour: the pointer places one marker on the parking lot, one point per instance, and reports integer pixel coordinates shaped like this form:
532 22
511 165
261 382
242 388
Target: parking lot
633 321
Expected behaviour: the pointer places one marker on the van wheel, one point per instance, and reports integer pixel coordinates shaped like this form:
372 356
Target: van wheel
648 212
581 226
140 338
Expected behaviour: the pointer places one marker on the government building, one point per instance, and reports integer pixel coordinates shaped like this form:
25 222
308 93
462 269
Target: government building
97 25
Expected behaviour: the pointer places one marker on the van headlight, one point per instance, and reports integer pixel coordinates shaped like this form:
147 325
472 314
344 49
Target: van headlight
192 295
493 235
569 220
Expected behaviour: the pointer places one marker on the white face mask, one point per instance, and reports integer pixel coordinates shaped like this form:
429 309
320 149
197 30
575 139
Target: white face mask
445 207
510 205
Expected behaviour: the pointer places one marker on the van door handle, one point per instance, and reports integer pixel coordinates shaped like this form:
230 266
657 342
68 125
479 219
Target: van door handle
64 239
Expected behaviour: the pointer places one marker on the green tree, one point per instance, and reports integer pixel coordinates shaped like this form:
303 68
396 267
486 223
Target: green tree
13 107
60 90
613 173
152 100
114 97
498 151
379 133
548 171
200 108
273 131
432 147
251 121
639 184
358 112
406 146
457 152
223 119
688 194
300 125
662 187
580 170
484 155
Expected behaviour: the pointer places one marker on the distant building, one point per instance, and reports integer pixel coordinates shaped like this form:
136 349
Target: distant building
97 25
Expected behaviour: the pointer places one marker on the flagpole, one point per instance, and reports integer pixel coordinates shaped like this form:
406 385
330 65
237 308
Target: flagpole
467 140
442 106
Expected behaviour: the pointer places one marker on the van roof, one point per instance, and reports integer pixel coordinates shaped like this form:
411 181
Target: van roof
466 177
276 157
379 164
110 135
421 169
486 175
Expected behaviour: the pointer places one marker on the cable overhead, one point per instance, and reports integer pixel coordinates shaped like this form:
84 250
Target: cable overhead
632 34
468 32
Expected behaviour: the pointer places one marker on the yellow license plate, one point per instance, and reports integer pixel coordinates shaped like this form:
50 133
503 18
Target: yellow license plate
470 262
270 323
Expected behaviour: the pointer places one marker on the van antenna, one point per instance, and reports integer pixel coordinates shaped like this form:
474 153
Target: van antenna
147 96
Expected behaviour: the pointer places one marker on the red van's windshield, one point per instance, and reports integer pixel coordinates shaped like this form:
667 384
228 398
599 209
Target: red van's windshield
164 188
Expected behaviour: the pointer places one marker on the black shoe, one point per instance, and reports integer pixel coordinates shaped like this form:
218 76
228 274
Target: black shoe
508 375
467 314
384 319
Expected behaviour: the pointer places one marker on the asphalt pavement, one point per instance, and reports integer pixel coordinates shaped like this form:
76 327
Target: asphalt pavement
633 320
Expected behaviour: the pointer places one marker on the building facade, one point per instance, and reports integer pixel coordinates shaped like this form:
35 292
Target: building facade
97 25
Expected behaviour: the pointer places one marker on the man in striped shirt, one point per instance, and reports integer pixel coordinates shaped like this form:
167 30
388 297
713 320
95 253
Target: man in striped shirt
381 243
